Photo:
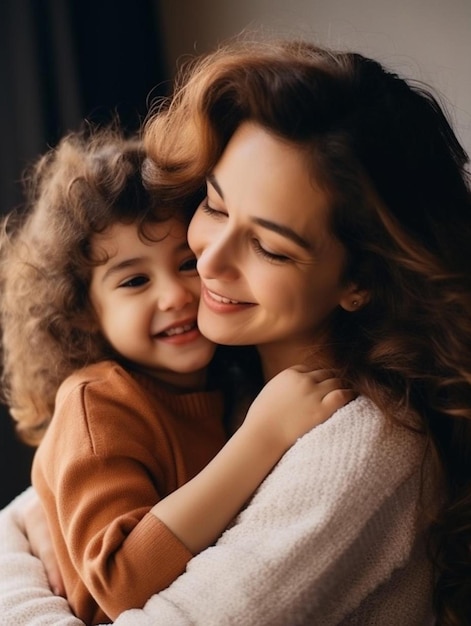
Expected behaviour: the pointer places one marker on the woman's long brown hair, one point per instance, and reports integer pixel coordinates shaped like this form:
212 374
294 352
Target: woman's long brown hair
384 150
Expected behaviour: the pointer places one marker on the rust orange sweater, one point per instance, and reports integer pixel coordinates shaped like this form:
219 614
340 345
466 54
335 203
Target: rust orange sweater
117 444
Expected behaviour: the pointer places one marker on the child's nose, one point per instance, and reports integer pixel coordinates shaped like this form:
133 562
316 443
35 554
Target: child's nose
174 295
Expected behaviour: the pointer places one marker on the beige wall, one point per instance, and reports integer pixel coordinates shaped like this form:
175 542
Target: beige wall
425 39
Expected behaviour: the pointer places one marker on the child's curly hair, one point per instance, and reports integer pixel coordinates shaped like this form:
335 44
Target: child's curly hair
91 180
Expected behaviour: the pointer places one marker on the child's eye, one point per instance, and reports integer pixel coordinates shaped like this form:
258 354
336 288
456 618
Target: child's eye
189 265
135 281
210 211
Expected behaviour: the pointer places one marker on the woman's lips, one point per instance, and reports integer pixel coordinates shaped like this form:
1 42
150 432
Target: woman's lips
222 304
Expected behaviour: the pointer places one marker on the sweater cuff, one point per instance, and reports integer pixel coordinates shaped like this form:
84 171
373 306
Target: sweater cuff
169 560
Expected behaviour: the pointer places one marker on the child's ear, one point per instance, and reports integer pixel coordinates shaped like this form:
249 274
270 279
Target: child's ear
354 299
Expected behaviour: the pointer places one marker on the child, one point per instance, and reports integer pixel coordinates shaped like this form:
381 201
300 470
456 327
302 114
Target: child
99 315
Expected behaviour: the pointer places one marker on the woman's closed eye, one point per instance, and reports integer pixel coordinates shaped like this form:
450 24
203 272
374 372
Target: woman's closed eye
209 210
272 257
259 249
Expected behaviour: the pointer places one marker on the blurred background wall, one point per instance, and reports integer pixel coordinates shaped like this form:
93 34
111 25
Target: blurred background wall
63 60
425 39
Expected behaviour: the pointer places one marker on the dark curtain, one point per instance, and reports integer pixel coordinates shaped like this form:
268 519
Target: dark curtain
62 61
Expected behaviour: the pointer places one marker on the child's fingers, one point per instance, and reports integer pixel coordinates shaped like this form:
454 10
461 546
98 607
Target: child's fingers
337 398
36 529
329 383
318 375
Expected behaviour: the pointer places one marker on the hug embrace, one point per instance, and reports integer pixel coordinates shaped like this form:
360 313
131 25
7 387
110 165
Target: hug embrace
328 210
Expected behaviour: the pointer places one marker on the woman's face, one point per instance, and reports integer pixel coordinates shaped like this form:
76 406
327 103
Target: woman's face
270 268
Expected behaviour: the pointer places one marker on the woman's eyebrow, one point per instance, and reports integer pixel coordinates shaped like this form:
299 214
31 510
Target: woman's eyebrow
283 230
211 179
280 229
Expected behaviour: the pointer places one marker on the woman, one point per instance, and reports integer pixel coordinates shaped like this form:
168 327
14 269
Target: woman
335 233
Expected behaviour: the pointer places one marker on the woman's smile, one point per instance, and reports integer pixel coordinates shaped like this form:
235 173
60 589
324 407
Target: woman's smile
213 299
270 268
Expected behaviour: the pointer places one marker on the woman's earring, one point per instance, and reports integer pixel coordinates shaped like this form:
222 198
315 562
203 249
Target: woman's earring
354 301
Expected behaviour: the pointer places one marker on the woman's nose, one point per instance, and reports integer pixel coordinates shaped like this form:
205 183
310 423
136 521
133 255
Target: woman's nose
218 259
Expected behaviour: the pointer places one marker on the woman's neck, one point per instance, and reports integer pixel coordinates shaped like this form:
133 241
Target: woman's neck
275 358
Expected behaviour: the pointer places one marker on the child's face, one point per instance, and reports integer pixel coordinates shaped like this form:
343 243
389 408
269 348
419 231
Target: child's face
146 299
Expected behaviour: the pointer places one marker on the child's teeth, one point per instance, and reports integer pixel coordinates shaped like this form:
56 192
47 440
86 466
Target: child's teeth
178 330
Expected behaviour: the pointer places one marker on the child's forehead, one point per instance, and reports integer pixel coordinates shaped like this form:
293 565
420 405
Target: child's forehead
149 232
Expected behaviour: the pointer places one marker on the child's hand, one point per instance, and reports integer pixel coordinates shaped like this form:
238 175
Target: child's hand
34 524
294 402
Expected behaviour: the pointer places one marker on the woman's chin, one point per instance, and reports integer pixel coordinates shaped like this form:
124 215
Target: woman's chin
219 332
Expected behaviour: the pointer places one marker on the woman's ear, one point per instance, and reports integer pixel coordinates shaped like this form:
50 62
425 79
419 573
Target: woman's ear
354 299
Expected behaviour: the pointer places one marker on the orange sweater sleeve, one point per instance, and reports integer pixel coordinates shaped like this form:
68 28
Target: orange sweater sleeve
107 458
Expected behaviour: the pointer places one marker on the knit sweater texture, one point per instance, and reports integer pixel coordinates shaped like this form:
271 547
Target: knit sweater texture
332 537
117 444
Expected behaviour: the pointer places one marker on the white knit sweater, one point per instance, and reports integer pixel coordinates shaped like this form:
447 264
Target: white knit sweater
329 538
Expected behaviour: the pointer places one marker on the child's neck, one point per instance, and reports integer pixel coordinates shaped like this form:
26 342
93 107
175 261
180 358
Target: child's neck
177 382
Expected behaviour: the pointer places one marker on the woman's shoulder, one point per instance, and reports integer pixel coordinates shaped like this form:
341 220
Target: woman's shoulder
361 429
358 449
362 423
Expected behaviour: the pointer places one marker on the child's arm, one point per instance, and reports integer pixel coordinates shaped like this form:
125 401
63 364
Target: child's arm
290 405
105 496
